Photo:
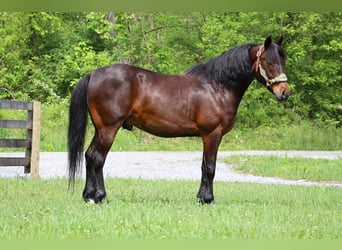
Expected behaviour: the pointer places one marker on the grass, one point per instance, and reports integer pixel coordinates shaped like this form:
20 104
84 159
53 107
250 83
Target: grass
286 137
306 136
288 168
136 209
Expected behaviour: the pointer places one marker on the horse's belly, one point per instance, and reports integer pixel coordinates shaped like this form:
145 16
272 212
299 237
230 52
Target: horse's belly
163 127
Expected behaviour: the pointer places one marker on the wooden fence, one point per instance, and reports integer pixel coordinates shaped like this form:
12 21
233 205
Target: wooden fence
32 140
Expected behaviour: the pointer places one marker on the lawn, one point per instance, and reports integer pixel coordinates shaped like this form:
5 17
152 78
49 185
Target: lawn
289 168
145 209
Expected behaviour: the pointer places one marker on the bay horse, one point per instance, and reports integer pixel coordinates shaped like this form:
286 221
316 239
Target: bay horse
203 102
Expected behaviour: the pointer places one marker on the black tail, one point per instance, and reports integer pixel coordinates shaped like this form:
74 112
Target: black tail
78 112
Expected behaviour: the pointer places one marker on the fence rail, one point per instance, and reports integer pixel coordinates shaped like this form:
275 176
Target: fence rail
32 141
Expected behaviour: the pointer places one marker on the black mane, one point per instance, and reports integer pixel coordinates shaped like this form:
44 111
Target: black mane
231 68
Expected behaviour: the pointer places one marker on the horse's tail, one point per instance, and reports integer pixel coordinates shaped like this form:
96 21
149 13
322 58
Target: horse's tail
78 112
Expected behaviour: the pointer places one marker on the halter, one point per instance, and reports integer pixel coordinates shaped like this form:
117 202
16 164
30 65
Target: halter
280 78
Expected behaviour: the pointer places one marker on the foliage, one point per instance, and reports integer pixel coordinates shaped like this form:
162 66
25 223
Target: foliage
44 54
136 209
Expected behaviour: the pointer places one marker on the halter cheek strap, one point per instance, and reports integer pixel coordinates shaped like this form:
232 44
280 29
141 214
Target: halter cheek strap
280 78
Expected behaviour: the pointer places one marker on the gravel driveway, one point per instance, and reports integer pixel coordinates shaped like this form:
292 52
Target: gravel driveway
169 165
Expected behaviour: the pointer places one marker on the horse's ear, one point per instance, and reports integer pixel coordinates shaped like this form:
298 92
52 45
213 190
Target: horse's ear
280 41
268 42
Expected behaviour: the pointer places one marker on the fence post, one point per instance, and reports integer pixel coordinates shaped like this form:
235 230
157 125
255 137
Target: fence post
34 164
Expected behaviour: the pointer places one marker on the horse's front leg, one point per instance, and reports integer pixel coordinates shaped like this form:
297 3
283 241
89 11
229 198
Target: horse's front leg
210 148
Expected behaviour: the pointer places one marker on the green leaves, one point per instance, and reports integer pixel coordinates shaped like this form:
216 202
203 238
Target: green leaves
45 54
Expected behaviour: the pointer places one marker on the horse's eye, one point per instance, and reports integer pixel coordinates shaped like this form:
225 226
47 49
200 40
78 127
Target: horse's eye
269 63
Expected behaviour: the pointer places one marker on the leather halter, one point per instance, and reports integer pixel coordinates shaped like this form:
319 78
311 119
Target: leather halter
280 78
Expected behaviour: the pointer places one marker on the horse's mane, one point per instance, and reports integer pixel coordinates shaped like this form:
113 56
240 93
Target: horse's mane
231 68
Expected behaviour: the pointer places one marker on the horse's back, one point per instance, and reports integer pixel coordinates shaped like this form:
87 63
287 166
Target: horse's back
143 82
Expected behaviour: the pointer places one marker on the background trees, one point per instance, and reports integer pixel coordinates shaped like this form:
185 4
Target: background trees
43 55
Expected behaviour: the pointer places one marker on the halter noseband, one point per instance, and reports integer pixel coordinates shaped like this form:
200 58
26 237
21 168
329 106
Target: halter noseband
280 78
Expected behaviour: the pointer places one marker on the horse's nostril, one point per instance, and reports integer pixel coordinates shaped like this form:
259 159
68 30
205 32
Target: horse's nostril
284 95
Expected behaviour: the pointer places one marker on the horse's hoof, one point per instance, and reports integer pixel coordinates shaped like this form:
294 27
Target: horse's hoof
202 201
90 201
100 196
206 200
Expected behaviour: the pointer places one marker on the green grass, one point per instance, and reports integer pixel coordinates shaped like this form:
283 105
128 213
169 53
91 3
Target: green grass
288 168
53 138
136 209
306 136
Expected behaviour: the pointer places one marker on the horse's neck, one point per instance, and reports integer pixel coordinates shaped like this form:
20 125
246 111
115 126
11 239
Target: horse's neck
240 89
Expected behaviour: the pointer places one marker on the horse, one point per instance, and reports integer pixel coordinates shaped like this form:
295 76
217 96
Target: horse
203 101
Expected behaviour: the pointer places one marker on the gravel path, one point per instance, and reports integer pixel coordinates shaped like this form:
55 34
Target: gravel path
169 165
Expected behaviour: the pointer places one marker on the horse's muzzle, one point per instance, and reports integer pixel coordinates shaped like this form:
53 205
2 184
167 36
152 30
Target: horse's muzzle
284 96
280 90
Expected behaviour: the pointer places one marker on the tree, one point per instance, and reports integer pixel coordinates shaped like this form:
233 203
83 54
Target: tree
43 55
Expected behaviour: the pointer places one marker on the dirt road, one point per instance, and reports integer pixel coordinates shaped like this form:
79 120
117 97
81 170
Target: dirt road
169 165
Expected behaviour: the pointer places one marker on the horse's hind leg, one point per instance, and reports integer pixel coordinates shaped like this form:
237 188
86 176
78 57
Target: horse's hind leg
94 190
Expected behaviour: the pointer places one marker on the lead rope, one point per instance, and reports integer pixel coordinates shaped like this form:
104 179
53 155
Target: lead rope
258 54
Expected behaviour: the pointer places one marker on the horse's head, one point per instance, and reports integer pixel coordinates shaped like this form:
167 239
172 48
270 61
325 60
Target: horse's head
269 62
